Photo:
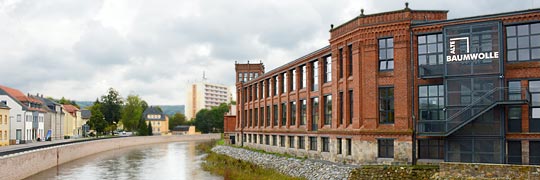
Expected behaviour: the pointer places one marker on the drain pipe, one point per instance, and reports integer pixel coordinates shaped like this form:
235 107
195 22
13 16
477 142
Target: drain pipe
412 102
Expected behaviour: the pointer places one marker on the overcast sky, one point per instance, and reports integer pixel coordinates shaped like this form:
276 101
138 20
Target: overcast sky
79 48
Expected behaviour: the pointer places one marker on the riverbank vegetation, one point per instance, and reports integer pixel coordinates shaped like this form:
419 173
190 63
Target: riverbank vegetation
231 168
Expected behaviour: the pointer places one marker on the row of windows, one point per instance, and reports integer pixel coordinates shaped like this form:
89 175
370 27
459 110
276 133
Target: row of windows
5 119
288 80
515 155
300 142
5 136
255 116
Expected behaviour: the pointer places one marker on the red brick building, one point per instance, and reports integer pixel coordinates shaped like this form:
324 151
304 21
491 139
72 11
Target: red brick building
402 86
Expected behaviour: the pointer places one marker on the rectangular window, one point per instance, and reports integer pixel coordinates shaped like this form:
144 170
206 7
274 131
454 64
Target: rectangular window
315 76
250 117
340 108
514 119
430 49
351 106
261 139
293 113
293 79
275 109
386 148
304 76
430 149
282 141
245 138
386 105
291 141
514 90
283 114
325 144
339 146
303 112
340 63
274 140
534 123
255 92
254 139
431 105
534 153
284 82
313 143
386 54
314 113
268 87
275 85
261 116
240 77
256 117
350 59
328 110
268 115
267 139
249 138
327 69
514 152
349 146
523 42
301 142
262 90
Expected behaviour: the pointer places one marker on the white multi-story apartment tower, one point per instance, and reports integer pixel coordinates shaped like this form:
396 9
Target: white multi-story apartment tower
203 95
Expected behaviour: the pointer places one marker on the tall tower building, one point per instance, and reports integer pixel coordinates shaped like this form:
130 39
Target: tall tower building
204 95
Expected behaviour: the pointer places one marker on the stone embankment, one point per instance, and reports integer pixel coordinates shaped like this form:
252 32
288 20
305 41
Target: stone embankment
306 168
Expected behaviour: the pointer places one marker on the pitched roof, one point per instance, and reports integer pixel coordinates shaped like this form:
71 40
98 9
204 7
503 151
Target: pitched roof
15 93
181 128
153 111
70 109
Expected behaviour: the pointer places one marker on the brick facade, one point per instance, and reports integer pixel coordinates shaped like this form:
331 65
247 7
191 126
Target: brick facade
359 39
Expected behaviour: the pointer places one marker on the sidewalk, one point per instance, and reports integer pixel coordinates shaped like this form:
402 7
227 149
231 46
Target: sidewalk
21 146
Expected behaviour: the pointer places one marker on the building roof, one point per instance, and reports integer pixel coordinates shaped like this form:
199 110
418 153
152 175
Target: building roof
181 128
85 114
70 109
21 99
153 111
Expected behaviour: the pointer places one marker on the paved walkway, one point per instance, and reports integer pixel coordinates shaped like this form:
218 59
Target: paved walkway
21 146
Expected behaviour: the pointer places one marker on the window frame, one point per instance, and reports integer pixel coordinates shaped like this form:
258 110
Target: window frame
517 36
328 109
385 48
388 146
389 115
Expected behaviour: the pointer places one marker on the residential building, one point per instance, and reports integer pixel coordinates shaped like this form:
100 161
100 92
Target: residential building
72 121
204 95
160 121
26 116
401 87
4 124
54 118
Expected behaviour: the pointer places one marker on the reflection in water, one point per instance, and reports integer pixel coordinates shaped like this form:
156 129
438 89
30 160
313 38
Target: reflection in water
178 160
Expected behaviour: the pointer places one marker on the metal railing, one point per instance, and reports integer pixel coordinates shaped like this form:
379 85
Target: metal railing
479 106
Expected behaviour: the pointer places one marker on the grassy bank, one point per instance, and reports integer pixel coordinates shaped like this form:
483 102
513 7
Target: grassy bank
231 168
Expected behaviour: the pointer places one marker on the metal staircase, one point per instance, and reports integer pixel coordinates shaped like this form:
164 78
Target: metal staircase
491 99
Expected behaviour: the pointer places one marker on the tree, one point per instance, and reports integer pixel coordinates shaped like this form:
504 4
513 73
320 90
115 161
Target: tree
97 120
177 119
111 106
142 129
132 112
150 129
211 120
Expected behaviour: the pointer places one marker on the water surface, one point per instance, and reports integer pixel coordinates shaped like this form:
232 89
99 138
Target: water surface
178 160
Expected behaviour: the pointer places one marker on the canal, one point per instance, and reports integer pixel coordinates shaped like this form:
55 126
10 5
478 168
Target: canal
177 160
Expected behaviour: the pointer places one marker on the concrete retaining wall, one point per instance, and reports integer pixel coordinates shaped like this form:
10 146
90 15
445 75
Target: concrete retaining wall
22 165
